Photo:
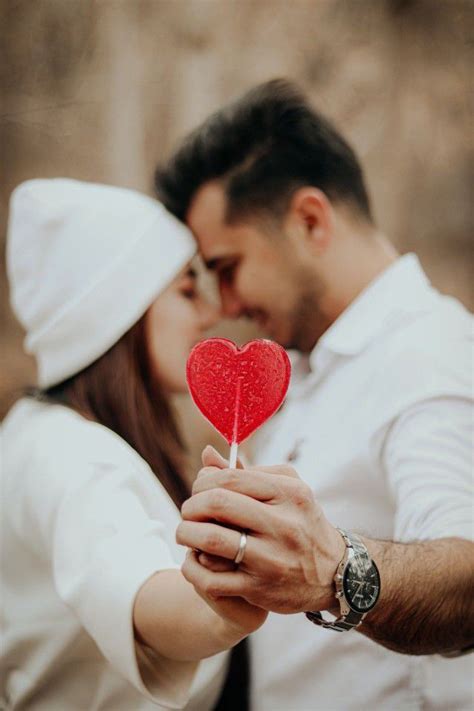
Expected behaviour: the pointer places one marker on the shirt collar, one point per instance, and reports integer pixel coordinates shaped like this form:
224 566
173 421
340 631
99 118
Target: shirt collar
401 289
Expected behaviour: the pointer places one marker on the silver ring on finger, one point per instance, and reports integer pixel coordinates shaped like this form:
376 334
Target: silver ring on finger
242 546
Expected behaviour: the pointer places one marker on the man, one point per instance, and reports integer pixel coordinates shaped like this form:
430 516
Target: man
376 426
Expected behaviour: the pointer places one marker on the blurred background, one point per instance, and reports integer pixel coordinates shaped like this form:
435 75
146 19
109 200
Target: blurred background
104 90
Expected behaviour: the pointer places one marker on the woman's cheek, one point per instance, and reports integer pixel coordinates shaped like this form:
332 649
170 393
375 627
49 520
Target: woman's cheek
185 324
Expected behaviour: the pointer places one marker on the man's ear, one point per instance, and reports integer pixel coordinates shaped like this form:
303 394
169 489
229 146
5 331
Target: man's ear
310 215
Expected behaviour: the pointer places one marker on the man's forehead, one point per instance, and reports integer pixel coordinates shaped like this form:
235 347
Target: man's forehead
206 219
208 208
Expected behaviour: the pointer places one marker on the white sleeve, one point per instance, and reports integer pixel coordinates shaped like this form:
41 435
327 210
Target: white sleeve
103 546
428 460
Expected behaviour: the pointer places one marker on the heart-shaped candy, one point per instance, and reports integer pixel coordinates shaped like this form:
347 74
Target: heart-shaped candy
237 389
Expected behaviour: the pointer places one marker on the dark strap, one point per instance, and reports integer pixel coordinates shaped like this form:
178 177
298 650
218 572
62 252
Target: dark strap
342 624
235 696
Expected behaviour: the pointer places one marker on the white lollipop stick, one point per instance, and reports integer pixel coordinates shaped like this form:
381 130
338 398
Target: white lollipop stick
234 446
233 455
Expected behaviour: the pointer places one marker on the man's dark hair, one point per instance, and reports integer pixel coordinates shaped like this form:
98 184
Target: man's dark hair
262 148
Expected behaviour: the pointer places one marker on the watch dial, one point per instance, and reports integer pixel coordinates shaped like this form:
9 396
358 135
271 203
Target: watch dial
361 587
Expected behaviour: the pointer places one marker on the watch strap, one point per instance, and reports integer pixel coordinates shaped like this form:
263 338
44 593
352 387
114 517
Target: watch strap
342 624
351 619
361 553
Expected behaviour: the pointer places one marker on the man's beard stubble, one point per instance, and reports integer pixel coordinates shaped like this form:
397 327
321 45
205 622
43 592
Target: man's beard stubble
307 322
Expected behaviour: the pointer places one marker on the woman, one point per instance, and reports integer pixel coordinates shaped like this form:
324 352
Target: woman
97 613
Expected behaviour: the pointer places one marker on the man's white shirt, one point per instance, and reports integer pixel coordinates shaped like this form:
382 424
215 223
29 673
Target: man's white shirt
378 421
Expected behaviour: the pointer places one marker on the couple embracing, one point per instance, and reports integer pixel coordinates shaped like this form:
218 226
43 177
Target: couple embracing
123 589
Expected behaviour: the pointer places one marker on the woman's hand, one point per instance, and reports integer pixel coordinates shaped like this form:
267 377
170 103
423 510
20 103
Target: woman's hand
239 617
185 623
235 612
171 618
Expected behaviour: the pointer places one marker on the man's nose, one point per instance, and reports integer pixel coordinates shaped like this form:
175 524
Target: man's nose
211 315
231 305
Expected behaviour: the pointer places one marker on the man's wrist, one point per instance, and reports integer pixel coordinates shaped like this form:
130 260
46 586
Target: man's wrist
356 586
326 599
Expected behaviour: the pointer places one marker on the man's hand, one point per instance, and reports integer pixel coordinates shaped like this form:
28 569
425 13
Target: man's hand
292 550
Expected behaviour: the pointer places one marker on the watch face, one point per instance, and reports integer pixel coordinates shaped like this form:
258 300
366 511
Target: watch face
361 587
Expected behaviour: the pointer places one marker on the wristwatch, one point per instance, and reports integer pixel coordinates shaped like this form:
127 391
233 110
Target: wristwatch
357 582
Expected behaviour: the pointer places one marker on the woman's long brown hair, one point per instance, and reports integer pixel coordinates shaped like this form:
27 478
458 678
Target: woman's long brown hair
120 391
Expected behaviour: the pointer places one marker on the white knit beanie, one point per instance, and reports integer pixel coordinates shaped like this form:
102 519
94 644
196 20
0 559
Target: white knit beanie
84 263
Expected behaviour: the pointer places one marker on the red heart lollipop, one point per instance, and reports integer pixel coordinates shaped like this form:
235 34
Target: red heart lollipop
237 389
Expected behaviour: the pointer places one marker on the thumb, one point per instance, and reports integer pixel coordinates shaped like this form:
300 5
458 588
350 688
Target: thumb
211 458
